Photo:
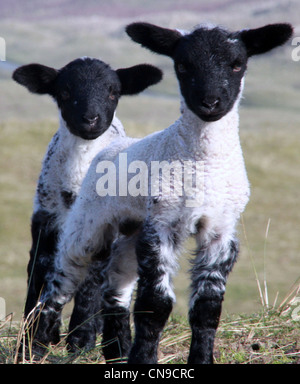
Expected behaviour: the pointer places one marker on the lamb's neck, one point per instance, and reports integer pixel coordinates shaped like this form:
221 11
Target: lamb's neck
205 139
73 156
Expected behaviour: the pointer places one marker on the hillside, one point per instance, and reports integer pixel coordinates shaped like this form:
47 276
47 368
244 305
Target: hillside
33 10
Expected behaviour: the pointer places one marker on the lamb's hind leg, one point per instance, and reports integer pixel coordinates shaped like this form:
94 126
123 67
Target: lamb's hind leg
211 267
119 280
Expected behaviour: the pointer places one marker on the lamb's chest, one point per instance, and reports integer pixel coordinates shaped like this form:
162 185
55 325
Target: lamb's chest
225 184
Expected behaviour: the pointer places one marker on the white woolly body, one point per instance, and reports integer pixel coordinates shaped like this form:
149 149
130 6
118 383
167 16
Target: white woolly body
65 165
225 192
216 144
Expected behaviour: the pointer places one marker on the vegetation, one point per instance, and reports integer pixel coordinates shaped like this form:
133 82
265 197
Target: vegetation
269 337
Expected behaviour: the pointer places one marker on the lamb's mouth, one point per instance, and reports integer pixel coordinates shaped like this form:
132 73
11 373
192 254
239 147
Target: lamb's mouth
210 117
90 134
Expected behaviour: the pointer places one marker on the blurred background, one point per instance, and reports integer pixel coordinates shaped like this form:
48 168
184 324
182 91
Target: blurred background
56 32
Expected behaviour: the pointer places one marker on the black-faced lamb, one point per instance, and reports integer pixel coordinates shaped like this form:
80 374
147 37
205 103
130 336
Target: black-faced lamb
203 148
87 92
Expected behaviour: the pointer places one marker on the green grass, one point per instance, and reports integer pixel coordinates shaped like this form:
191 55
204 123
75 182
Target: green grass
268 337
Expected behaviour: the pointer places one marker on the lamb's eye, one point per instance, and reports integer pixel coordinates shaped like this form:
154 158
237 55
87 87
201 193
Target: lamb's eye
65 95
113 93
181 68
237 66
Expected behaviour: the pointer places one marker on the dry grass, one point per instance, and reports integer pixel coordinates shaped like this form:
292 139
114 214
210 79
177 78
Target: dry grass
270 337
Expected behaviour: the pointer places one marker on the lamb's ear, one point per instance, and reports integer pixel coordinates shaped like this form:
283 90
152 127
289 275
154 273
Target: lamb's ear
157 39
36 78
264 39
137 78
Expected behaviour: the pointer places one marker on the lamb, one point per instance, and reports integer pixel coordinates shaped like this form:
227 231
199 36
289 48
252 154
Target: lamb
210 64
87 92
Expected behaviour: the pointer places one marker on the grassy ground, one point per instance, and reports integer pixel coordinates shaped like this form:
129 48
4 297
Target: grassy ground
268 337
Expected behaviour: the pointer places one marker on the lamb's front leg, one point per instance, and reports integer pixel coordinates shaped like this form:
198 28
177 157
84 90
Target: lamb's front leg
77 247
86 319
155 297
44 241
209 274
59 290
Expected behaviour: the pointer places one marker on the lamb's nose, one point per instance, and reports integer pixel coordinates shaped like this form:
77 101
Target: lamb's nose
210 103
91 120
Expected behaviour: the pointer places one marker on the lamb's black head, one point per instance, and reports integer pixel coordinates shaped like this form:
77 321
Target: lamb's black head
87 93
210 62
87 90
